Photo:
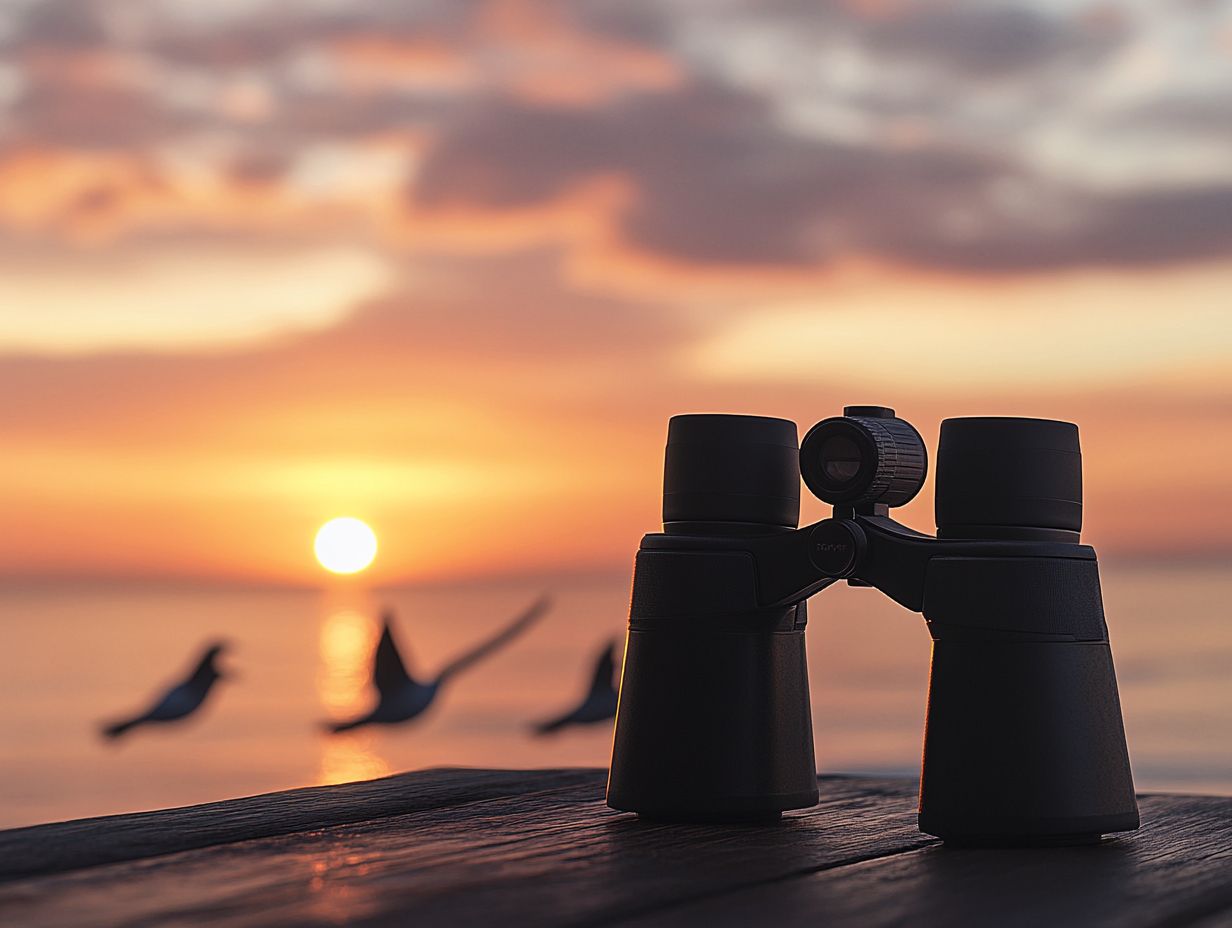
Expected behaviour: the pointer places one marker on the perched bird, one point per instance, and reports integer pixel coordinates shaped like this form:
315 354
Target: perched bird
182 700
400 696
600 702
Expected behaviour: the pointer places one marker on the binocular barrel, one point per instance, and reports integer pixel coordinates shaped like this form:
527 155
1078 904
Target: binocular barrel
714 721
1024 742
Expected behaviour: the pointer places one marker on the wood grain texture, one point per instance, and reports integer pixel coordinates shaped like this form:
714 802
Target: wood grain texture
540 848
1177 870
92 841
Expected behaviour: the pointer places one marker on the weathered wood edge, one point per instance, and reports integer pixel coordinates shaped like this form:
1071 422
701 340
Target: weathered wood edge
38 850
58 847
534 858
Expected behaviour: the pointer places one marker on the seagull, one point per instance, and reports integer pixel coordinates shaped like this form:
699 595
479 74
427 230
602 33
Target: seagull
600 702
179 702
400 696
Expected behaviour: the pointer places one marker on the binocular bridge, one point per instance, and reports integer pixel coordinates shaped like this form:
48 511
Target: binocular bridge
864 550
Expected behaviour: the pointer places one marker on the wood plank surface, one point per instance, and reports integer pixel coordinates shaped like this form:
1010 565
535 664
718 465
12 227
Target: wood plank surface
540 848
1177 870
108 839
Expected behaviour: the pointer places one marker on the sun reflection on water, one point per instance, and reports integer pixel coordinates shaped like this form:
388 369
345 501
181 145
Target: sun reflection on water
346 642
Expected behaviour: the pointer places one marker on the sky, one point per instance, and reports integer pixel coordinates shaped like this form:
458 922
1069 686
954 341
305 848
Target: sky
449 267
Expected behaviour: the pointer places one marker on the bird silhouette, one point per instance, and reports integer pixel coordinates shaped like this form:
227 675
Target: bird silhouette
400 697
181 700
600 701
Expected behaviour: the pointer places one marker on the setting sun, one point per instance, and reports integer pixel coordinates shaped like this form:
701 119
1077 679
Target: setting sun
345 545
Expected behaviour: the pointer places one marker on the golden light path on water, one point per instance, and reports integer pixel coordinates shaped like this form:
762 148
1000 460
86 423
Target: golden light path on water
346 642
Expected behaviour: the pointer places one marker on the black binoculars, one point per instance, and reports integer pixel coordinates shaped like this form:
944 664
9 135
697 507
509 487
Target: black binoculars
1023 742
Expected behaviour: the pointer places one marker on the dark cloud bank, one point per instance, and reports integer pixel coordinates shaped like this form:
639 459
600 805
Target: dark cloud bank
720 179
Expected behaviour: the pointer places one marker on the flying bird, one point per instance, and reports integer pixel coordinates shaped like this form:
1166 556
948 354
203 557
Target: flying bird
181 700
600 702
400 697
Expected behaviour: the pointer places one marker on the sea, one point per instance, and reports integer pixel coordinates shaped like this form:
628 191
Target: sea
75 657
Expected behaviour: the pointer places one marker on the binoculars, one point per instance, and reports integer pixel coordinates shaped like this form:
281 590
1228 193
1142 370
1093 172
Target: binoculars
1023 742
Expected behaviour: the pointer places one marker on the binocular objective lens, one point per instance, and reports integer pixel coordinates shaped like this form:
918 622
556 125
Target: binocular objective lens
840 459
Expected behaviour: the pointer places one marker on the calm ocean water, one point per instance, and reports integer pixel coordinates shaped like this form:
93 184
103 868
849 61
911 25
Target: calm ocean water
72 658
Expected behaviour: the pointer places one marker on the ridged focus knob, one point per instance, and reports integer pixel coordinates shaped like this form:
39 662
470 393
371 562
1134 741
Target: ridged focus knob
866 456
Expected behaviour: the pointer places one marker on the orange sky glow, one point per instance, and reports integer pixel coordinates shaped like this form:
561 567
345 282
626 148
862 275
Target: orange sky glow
451 272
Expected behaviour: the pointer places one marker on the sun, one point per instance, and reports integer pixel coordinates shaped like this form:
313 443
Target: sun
345 545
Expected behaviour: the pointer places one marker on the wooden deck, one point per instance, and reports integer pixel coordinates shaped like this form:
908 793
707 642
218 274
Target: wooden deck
508 848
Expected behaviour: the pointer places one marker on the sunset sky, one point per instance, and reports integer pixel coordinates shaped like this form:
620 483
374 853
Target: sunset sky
449 266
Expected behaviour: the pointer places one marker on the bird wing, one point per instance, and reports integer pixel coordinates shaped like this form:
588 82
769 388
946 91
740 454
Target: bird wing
552 725
178 702
501 638
604 679
388 671
600 700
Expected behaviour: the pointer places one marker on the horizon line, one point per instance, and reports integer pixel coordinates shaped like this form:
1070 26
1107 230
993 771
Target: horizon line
45 581
13 582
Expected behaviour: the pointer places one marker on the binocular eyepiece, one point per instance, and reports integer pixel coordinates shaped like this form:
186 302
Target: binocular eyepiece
1009 478
1024 742
739 474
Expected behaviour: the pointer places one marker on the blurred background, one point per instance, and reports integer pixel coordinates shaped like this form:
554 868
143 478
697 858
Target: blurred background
448 267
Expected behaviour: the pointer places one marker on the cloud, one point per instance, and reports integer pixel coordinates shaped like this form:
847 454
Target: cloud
653 143
70 196
212 297
1152 227
984 41
1044 335
499 332
714 183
